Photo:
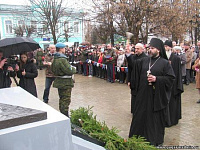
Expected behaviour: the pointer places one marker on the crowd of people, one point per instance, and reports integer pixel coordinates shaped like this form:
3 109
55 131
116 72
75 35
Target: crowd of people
159 69
97 61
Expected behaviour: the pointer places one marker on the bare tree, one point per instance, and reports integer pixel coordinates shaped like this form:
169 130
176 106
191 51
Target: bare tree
50 13
102 33
194 11
103 20
172 22
141 17
67 30
20 30
126 15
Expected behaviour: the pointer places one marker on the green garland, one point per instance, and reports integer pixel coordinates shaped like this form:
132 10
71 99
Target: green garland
83 117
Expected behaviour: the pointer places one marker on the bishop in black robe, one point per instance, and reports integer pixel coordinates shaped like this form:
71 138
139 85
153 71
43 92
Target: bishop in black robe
151 102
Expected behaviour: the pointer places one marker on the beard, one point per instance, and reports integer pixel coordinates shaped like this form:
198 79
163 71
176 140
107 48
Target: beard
153 54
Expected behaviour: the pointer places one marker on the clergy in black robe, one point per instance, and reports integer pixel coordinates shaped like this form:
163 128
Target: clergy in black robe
139 53
153 79
177 89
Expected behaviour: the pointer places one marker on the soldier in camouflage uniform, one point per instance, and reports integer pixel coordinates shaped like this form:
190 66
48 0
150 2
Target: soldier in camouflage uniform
111 57
63 72
39 56
84 57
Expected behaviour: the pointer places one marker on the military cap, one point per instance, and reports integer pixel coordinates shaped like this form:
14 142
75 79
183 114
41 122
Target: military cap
60 45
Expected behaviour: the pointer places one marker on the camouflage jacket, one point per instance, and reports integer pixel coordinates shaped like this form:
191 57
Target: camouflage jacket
112 54
84 55
39 55
61 67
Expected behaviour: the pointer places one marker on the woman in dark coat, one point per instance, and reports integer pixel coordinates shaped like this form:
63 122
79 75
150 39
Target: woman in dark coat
27 71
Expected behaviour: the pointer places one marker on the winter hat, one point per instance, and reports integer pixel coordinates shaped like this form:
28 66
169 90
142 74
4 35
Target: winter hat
177 48
168 43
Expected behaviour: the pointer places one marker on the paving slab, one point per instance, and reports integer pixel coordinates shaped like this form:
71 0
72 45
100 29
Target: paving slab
112 104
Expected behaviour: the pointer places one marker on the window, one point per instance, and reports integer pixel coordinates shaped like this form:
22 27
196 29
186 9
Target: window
76 29
8 24
42 28
21 23
34 25
66 27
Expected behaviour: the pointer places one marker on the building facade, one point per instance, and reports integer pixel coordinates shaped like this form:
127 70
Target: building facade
15 18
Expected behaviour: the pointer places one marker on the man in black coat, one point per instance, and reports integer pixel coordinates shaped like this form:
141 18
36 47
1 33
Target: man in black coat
139 53
177 89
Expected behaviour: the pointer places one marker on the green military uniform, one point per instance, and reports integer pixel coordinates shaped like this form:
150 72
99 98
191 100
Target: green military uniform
64 82
39 56
111 53
84 57
110 64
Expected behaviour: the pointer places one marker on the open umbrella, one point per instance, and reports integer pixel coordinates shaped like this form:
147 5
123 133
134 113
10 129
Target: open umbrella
14 46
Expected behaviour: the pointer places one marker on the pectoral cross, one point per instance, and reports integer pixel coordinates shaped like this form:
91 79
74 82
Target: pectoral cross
148 72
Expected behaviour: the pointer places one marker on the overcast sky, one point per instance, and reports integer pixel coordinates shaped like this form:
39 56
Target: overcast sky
14 2
72 3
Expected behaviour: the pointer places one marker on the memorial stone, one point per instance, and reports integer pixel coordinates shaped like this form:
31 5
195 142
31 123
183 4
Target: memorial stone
11 115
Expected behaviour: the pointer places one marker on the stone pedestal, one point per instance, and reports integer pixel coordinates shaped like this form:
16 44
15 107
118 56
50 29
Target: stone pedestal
53 133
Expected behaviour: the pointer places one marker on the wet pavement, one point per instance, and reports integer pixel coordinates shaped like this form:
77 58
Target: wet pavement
111 103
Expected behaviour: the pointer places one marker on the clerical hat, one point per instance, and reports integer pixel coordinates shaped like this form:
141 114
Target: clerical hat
168 43
157 43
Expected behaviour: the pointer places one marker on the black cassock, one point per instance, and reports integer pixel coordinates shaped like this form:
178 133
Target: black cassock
177 90
133 93
151 103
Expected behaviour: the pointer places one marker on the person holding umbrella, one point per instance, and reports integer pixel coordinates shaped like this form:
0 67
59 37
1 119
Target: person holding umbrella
16 45
6 72
26 72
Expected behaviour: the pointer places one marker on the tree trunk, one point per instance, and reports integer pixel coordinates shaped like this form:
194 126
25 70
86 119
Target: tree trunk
112 39
112 34
147 31
195 35
54 37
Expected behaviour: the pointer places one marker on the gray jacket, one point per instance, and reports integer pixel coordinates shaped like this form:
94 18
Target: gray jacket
194 57
183 63
120 60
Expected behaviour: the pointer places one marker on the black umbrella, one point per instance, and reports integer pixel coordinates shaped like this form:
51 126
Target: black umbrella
14 46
